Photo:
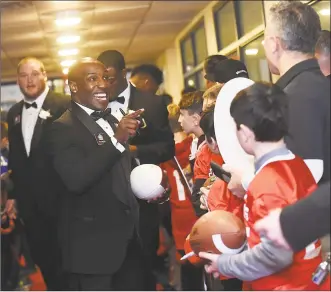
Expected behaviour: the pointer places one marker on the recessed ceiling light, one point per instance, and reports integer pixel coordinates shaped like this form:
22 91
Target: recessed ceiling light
65 71
262 42
251 52
68 52
324 12
70 21
68 63
68 39
190 82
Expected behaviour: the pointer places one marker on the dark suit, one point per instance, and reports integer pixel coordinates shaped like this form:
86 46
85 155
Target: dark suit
99 213
155 145
307 219
34 189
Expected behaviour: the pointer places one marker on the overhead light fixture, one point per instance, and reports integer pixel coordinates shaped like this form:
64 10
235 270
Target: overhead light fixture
262 42
65 71
68 63
190 82
70 21
251 52
68 52
324 12
68 39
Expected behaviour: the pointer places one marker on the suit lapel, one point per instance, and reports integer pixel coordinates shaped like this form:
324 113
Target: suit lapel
37 132
95 130
17 126
132 100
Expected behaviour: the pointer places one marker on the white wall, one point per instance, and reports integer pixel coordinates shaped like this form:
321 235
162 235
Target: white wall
169 61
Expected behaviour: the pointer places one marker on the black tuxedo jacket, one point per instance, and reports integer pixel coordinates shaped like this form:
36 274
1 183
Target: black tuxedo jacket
98 212
31 176
155 143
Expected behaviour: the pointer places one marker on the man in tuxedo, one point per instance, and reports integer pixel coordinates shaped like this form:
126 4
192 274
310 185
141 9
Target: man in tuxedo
148 78
99 214
34 191
154 144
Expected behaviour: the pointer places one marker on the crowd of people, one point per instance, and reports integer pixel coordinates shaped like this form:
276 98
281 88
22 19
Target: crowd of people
66 164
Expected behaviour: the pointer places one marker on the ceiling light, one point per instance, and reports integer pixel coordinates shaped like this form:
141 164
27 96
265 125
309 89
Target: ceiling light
190 82
65 71
68 21
67 63
262 42
68 52
68 39
251 52
324 12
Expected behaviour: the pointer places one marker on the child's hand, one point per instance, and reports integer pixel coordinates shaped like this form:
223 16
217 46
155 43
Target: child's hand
10 209
235 184
211 267
203 198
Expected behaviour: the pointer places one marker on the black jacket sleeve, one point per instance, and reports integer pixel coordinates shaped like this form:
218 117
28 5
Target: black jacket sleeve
10 121
77 170
159 146
308 219
196 197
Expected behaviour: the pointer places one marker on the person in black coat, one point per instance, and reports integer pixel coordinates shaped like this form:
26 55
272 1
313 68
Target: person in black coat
322 52
33 183
99 214
155 144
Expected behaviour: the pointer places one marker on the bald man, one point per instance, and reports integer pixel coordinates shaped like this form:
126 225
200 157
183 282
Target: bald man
322 52
34 191
99 215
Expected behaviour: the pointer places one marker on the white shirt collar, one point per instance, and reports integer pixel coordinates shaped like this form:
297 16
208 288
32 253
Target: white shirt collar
126 93
40 99
86 109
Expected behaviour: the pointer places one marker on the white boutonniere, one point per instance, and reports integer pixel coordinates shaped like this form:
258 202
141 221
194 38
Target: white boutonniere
44 114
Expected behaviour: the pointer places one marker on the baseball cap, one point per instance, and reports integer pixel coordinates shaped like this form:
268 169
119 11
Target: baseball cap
226 70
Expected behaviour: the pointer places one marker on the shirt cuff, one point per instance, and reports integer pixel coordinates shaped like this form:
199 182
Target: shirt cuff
117 144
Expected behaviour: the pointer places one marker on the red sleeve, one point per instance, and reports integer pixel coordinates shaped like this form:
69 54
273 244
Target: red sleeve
218 197
264 203
202 164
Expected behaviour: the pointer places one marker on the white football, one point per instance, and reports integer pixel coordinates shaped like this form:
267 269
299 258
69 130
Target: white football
146 181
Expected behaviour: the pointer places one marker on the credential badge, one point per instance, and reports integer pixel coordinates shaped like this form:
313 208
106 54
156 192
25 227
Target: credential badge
100 139
17 120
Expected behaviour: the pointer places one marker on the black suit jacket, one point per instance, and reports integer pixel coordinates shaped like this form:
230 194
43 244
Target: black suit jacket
32 178
307 219
98 211
155 143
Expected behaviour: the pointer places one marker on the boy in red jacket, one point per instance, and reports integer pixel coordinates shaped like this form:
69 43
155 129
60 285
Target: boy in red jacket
281 178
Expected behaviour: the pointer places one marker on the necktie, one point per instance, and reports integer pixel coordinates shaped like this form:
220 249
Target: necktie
120 99
28 105
96 115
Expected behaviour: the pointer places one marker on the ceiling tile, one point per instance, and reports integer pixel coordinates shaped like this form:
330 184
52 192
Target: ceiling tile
141 30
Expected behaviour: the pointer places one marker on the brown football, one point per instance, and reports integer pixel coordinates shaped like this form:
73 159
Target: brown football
218 232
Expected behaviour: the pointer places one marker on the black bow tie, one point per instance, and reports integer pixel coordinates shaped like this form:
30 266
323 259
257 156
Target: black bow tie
28 105
96 115
120 99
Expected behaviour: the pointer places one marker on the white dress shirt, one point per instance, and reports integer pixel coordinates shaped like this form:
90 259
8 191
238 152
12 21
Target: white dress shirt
115 105
29 119
106 127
